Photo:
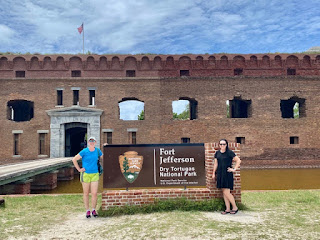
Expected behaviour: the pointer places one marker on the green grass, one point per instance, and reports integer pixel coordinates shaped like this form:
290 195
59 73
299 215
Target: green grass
31 214
293 214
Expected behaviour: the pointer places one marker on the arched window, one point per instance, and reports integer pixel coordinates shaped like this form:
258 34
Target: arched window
20 110
131 109
185 109
293 107
238 108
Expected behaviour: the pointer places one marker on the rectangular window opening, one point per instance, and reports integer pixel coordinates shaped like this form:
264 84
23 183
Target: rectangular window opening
184 73
109 137
294 140
76 73
20 74
185 140
291 71
75 97
130 73
42 144
133 136
16 144
238 72
239 108
59 97
92 97
241 140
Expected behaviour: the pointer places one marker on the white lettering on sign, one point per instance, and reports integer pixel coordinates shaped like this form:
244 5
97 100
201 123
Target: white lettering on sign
172 159
167 157
167 152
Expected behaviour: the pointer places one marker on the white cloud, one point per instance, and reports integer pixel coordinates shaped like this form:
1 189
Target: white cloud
175 26
6 34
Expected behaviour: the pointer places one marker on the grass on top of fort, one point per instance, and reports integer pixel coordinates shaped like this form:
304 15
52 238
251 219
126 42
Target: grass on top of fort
293 214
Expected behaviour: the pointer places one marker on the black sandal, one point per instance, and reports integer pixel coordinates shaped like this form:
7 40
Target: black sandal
234 211
225 212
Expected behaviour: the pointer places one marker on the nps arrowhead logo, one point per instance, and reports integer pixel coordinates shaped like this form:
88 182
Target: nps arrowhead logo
130 165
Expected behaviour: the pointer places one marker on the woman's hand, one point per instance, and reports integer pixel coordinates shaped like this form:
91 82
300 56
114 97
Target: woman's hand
213 176
231 169
82 170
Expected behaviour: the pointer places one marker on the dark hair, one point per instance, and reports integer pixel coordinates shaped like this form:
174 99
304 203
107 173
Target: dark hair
227 147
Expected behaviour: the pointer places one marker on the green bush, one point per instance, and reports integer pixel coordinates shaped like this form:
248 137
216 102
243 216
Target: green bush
179 204
2 203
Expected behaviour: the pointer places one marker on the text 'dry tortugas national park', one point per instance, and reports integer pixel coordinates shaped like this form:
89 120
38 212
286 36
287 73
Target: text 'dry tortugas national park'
267 103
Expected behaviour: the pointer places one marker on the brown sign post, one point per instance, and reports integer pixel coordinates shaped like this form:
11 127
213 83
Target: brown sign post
154 165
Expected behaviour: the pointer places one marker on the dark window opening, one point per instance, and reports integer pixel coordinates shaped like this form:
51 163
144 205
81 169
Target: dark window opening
42 144
133 137
20 74
184 73
130 73
59 97
291 71
92 97
190 109
75 97
185 140
239 108
109 137
237 71
293 108
76 73
294 140
20 110
16 144
241 140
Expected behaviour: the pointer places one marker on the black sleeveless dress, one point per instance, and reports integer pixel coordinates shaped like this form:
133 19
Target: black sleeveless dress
224 178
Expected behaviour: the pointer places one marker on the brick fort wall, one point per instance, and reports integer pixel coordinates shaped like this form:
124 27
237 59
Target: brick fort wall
157 80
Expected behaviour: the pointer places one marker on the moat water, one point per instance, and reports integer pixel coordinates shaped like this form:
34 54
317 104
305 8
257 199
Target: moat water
251 179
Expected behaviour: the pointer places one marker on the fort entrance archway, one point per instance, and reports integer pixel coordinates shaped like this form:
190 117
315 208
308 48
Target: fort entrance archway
75 138
68 124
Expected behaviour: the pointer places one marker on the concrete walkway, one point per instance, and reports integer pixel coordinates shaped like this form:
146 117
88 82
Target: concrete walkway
15 172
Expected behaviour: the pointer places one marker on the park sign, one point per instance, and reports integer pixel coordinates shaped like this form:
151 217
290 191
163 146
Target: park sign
154 165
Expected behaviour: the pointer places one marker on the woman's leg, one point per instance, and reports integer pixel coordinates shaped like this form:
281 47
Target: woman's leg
86 190
230 199
226 199
94 194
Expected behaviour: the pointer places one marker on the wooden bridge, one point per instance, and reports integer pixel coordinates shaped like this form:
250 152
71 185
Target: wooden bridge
40 174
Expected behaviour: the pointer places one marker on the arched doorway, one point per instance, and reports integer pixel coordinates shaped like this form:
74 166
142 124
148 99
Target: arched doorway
60 118
75 138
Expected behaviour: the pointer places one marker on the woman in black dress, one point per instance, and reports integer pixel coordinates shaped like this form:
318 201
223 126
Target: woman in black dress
223 173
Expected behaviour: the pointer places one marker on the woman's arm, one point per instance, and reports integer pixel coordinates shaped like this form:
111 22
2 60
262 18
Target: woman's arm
238 161
75 163
215 166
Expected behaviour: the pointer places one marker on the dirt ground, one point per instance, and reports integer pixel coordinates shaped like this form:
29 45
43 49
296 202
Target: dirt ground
78 227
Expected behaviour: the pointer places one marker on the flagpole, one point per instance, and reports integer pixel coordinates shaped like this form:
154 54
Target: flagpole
83 37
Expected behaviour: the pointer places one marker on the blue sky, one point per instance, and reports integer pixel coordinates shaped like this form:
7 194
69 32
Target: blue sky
160 27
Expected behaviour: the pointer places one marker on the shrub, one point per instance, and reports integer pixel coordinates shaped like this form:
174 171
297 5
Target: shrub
179 204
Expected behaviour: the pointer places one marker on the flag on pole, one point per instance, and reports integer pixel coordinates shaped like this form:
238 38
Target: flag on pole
80 29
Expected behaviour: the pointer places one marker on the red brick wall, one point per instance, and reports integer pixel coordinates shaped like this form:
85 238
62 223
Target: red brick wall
112 198
157 84
205 65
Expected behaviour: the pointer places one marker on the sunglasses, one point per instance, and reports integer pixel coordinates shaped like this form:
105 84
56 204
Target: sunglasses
91 140
222 144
